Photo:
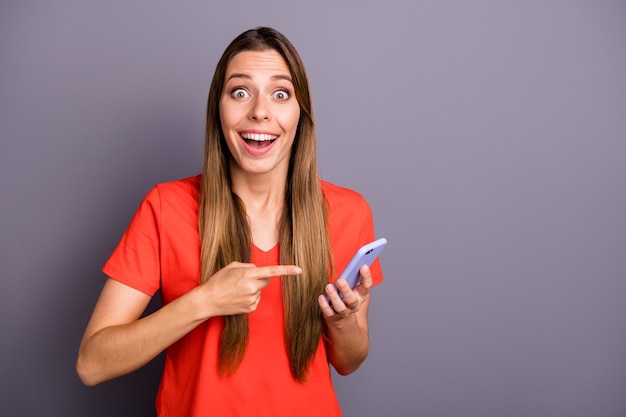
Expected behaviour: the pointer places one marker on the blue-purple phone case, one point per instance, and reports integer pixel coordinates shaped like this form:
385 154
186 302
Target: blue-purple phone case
364 256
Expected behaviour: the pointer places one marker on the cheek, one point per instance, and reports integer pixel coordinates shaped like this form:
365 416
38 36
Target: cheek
222 112
226 119
292 118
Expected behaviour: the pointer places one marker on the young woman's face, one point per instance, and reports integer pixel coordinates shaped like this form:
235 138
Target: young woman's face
259 112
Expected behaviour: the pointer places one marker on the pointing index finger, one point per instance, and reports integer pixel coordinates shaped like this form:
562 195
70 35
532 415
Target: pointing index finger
272 271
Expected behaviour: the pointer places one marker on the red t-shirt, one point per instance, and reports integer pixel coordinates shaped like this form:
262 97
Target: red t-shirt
161 250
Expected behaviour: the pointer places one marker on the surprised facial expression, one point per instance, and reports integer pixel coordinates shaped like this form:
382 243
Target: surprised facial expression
259 113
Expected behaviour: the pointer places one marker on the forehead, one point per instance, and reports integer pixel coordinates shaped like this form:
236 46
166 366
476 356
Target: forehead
250 63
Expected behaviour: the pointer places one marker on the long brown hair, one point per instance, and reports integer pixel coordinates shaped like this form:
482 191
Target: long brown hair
304 241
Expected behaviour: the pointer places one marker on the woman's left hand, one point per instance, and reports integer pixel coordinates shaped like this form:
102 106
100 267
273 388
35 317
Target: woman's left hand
339 309
346 322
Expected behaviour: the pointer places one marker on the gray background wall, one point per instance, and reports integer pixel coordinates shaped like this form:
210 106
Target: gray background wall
489 138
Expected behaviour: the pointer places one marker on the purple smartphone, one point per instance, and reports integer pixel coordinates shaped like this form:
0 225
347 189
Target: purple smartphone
364 256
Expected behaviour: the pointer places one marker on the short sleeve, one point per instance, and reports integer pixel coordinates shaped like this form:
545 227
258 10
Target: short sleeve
136 259
351 226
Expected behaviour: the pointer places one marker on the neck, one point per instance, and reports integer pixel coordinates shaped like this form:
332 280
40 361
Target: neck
263 196
259 191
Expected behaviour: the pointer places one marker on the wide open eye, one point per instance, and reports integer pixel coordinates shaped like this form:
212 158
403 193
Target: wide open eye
281 95
239 93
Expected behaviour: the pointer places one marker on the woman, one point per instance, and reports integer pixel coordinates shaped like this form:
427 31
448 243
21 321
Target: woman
243 255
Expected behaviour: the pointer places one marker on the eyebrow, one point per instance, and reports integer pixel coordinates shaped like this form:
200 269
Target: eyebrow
246 76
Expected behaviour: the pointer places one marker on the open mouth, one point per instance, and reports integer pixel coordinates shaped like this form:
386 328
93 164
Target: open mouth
258 140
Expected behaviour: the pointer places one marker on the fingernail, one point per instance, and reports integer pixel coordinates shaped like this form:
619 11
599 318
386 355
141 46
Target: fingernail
298 270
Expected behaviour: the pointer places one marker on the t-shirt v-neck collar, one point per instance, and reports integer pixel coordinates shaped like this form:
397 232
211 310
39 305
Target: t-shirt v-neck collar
266 257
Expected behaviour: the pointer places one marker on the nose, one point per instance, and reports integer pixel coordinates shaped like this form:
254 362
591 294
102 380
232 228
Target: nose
260 109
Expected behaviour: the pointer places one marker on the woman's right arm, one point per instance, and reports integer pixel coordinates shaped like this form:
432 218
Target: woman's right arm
118 340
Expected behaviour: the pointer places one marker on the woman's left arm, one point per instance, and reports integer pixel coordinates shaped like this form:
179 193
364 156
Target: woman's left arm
346 323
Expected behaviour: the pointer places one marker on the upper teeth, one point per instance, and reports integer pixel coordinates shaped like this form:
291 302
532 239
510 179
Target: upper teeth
258 136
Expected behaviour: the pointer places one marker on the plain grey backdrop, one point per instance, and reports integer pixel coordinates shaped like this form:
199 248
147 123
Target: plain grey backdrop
488 136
